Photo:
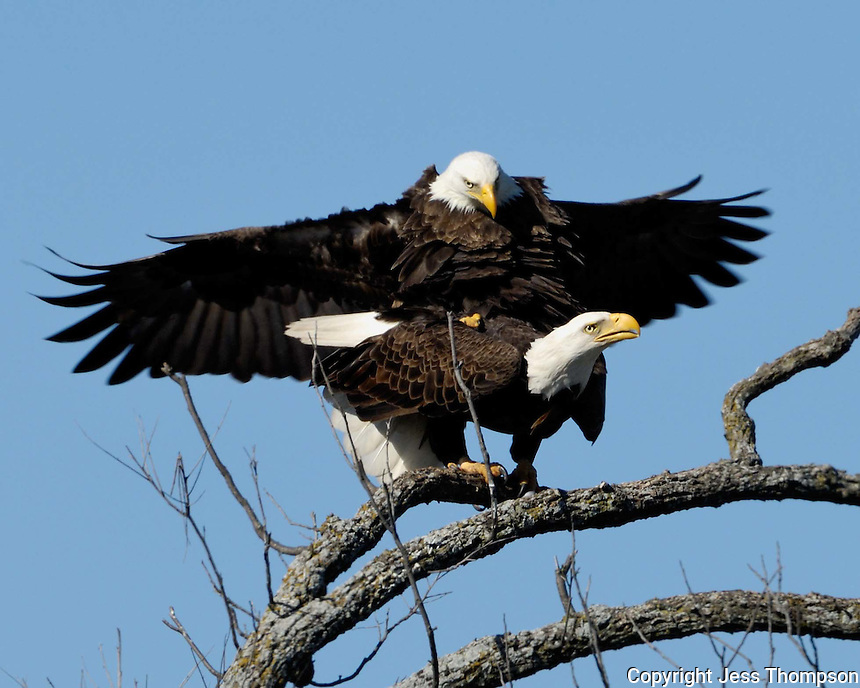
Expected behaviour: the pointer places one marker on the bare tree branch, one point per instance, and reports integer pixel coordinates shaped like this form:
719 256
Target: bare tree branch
302 620
528 652
739 427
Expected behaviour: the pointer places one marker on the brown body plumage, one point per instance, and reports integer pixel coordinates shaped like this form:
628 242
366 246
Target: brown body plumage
409 370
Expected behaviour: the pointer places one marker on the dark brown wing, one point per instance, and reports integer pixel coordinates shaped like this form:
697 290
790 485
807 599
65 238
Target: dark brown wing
639 256
218 303
409 369
588 410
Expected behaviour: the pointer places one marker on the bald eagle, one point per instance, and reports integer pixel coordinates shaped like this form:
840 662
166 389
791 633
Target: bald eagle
397 394
471 240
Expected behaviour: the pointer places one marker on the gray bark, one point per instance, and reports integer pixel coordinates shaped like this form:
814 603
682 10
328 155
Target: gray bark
306 616
494 660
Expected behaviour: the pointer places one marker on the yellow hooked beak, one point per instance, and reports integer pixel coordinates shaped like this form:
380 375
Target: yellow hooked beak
487 197
623 326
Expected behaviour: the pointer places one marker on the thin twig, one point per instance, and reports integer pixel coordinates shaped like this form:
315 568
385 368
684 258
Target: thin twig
177 626
506 678
561 583
314 528
105 666
766 580
797 641
22 682
715 640
118 658
383 636
651 646
583 601
267 542
467 393
181 504
259 529
201 537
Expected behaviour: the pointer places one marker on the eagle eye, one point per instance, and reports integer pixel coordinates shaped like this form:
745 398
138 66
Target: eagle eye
469 185
591 327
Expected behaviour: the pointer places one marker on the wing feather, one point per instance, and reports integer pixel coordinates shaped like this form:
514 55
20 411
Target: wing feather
409 369
219 302
639 255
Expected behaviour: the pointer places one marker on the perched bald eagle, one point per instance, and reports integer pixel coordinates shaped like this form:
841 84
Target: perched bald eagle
397 392
471 240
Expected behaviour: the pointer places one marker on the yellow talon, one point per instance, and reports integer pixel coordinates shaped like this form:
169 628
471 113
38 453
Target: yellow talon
478 468
473 321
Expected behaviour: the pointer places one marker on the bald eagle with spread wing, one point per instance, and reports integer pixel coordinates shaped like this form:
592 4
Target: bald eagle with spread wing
471 240
400 407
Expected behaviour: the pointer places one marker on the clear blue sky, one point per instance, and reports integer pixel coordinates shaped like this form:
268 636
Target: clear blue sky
124 119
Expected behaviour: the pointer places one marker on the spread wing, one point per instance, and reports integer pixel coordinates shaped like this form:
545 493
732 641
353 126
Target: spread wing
410 369
639 256
218 303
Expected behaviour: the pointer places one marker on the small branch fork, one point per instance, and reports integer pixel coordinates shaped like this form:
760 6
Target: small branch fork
179 498
822 352
176 625
258 526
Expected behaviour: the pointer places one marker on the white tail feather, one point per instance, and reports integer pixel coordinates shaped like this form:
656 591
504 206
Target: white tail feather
348 329
387 449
